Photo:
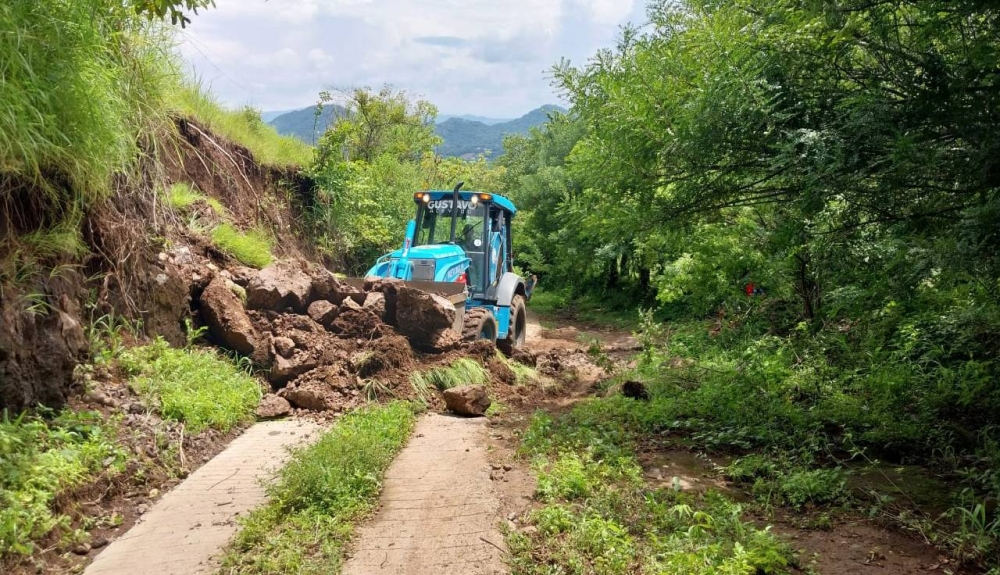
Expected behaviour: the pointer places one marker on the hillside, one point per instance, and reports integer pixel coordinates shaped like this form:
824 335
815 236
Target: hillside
463 136
304 125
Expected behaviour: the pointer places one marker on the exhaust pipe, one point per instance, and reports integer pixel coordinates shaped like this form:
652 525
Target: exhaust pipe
454 210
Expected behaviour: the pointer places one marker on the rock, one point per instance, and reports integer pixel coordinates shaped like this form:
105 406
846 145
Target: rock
389 288
82 549
135 408
141 509
38 352
284 284
375 302
471 400
309 398
154 493
422 316
349 304
323 312
635 390
284 370
283 346
326 285
99 542
271 407
227 321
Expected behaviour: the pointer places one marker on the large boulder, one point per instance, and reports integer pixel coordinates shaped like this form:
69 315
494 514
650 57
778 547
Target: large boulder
227 320
311 397
272 407
38 352
284 370
469 400
323 312
279 286
423 316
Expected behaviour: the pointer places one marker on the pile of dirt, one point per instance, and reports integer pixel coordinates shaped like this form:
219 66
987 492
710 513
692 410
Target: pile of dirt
326 345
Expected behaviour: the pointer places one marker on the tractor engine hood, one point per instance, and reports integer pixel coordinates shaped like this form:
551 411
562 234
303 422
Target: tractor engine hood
439 262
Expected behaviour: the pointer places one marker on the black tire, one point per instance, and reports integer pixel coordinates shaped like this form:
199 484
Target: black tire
518 327
479 323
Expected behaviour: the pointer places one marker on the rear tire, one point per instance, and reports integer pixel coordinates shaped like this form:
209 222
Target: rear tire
518 327
479 323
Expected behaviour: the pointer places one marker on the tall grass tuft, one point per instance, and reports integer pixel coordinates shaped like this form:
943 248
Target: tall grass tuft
463 371
81 83
252 248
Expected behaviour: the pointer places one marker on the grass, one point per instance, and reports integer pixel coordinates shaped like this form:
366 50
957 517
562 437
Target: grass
244 127
194 386
589 310
597 516
463 371
182 196
320 496
41 459
252 248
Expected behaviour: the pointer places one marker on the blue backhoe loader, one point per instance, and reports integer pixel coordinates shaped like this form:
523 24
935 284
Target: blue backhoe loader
459 247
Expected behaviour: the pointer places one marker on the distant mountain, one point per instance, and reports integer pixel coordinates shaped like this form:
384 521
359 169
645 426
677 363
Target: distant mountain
463 137
268 115
488 121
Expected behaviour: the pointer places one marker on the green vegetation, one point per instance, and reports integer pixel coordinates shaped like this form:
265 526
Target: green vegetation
805 195
318 498
599 517
368 164
41 460
463 371
182 196
244 127
252 248
194 386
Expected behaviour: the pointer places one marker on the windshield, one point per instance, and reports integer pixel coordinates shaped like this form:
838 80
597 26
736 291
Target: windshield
434 222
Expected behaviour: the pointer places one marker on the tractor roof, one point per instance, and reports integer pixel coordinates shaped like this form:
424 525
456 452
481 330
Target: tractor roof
504 203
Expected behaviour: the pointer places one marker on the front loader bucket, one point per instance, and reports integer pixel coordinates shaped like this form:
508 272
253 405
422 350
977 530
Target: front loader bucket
452 291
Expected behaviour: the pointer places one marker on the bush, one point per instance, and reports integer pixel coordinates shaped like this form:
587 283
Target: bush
192 385
252 248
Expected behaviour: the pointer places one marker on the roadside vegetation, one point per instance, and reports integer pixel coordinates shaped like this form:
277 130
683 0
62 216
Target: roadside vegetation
252 248
317 499
811 227
598 516
193 386
43 459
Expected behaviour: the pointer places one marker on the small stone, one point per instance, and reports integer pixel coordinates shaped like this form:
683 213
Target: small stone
82 549
471 400
154 493
99 542
495 466
284 346
142 509
508 467
271 406
136 408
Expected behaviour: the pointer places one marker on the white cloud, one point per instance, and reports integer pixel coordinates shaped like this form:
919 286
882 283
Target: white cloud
466 56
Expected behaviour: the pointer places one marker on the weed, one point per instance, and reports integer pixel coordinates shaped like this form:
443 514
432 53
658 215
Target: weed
599 517
463 371
182 196
191 385
252 248
39 460
320 496
376 390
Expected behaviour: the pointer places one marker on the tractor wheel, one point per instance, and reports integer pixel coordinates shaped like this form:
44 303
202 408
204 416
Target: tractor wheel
479 323
518 327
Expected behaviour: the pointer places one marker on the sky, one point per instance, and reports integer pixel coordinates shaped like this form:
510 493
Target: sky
483 57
